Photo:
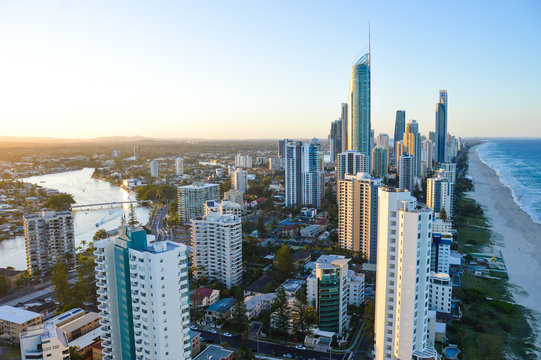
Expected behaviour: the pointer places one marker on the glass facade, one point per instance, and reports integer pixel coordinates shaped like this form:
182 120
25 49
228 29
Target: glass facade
329 300
359 107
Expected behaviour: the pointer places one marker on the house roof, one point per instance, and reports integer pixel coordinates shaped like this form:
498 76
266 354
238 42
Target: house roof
301 255
200 294
260 284
213 352
222 306
16 315
9 272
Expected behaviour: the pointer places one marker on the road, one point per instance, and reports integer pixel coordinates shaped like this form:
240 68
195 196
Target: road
43 290
157 220
271 348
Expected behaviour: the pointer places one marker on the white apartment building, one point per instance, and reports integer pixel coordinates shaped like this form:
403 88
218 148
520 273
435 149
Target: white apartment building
49 237
440 194
441 292
441 226
235 196
217 247
179 163
358 214
356 288
239 180
154 168
44 341
224 207
327 289
192 199
276 164
402 283
143 297
242 161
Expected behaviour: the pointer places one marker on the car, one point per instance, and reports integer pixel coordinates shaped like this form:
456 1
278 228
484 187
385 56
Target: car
287 355
228 334
283 343
212 331
193 327
300 347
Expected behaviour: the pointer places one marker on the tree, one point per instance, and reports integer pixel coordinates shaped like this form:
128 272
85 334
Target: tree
304 316
283 263
59 278
100 234
261 226
238 316
23 279
443 214
280 323
4 286
60 202
132 220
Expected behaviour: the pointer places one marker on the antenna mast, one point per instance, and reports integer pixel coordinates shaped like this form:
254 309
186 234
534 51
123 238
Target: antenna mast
369 53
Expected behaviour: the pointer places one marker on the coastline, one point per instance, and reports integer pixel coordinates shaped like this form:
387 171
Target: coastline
515 234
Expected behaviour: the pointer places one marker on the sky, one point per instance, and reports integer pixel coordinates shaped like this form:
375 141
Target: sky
264 69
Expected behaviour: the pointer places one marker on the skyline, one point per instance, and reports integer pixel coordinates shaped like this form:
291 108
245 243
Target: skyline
275 70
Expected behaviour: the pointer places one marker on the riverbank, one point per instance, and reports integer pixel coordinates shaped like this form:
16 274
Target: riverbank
508 308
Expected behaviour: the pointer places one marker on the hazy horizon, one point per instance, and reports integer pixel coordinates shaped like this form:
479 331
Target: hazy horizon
244 70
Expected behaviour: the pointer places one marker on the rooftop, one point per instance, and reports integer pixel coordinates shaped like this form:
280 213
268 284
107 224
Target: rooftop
198 186
88 339
9 272
222 306
16 315
259 285
66 316
213 352
292 285
201 293
80 322
252 301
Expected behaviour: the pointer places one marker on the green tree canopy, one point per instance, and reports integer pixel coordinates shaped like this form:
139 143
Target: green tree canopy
280 323
60 202
100 234
283 262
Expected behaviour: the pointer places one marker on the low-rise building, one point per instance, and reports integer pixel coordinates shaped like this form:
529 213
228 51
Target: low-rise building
81 325
258 287
10 275
196 342
291 286
220 310
213 352
204 297
14 321
311 231
44 341
257 304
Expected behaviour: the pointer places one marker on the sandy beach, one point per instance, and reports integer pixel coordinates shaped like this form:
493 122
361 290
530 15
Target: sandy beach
516 235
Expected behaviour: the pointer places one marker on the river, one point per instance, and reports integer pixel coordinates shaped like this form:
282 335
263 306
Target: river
85 190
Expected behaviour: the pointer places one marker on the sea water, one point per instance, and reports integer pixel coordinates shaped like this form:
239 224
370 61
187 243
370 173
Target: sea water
518 165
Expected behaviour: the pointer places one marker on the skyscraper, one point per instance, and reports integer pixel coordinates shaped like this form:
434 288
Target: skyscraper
143 297
357 214
350 163
441 128
399 127
192 198
406 178
217 247
402 277
239 180
335 139
154 168
179 162
313 184
344 119
137 152
412 142
440 194
379 161
359 107
49 237
293 173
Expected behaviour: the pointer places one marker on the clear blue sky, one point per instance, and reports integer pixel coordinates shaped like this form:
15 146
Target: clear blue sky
264 69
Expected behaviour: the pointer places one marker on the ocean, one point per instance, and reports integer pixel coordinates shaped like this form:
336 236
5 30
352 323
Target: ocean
518 165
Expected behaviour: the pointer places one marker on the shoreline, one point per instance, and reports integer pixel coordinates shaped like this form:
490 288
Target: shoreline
514 232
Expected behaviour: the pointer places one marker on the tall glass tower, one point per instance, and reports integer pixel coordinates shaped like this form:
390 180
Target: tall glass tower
441 128
399 126
359 107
